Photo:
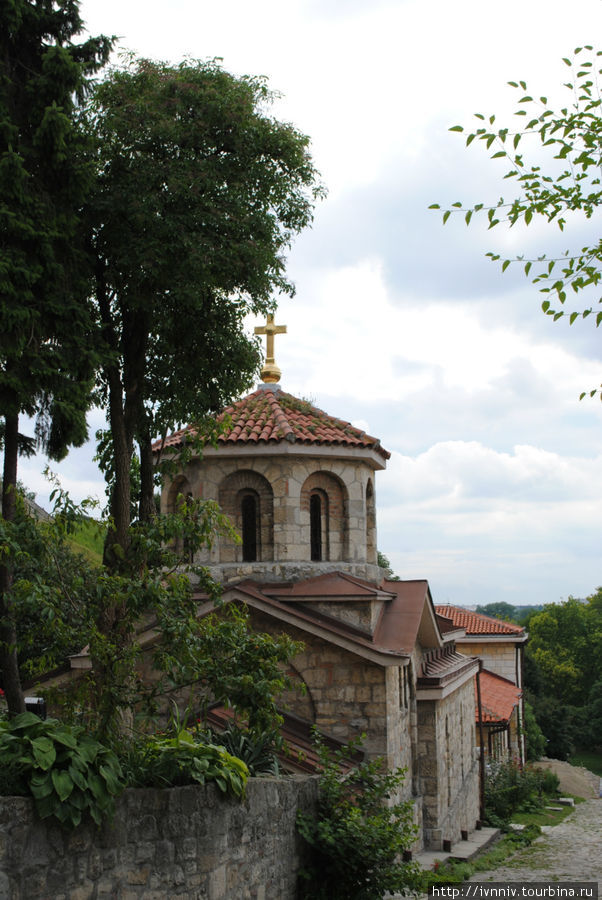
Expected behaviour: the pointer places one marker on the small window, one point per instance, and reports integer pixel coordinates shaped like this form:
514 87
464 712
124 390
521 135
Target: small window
315 523
249 528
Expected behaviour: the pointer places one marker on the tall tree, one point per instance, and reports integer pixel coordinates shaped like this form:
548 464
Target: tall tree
559 185
46 355
199 194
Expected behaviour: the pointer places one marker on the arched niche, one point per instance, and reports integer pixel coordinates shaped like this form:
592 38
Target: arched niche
180 489
371 550
324 517
180 486
247 499
298 700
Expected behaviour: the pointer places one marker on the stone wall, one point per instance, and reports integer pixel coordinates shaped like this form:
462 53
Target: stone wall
448 766
189 842
289 478
345 695
501 659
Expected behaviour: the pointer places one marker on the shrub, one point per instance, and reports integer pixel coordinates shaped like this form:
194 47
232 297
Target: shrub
257 750
356 839
159 761
509 789
67 772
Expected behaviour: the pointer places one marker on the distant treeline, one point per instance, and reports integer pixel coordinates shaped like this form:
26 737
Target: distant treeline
562 671
508 612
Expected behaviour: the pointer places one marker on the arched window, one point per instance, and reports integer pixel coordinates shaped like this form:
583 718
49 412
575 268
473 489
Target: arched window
315 525
246 497
249 516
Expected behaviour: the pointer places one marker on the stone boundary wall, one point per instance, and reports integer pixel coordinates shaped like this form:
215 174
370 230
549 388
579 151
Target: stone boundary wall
187 842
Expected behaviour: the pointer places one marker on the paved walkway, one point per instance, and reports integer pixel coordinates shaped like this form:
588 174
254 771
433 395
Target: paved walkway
571 851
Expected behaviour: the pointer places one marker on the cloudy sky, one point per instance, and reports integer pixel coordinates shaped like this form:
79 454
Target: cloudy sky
494 487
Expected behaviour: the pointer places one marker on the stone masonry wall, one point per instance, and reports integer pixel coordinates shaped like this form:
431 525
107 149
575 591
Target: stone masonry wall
287 475
448 766
498 658
344 694
189 842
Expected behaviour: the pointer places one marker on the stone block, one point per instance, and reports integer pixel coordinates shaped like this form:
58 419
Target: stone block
217 884
138 875
82 892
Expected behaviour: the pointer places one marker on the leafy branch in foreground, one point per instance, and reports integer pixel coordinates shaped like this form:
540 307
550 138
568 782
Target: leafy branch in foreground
569 184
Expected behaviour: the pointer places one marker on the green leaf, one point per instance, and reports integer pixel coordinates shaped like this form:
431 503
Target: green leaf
113 784
44 752
446 215
65 737
41 786
456 128
63 784
505 264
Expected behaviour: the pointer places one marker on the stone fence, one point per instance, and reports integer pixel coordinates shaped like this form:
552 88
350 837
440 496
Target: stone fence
188 842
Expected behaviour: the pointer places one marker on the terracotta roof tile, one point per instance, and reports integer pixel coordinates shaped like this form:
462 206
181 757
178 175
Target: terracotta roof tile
498 697
271 415
477 623
300 752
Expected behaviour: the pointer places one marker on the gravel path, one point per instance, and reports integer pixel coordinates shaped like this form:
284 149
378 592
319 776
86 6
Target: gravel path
571 851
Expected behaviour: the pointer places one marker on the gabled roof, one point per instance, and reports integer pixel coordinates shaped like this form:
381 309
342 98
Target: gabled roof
334 585
270 416
477 623
498 698
406 612
411 615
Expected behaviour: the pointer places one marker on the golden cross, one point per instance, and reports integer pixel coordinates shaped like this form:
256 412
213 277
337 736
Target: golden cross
270 372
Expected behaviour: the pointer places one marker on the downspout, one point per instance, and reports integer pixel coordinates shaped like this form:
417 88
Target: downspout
482 753
522 749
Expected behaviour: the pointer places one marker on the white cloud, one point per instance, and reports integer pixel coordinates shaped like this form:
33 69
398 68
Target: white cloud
493 487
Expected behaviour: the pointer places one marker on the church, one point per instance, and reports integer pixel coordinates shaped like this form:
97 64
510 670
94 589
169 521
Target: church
299 485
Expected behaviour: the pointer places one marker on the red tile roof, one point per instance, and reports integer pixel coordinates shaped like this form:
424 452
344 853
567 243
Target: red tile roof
477 623
300 753
498 697
270 416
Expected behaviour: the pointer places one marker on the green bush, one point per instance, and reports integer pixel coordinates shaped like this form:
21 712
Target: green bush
356 840
67 772
158 761
510 789
257 750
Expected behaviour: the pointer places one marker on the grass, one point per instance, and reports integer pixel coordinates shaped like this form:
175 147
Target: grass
458 872
88 539
589 760
544 816
495 856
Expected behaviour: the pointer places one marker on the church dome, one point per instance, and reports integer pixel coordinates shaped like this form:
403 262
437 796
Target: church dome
269 416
